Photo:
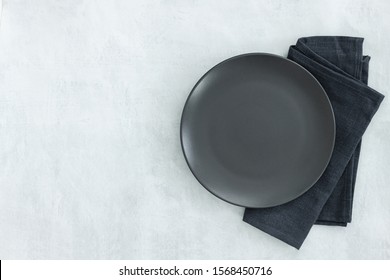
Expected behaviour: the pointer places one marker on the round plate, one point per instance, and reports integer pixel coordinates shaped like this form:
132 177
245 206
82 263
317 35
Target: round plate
257 130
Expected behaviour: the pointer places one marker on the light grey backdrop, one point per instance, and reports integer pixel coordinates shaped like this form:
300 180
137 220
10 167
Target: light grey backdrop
91 94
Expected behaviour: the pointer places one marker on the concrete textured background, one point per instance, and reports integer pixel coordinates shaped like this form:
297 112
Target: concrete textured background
91 94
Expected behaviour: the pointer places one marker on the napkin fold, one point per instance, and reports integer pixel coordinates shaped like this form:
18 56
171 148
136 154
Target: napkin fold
338 64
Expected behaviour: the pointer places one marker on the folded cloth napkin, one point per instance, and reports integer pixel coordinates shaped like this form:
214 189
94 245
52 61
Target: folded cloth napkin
339 65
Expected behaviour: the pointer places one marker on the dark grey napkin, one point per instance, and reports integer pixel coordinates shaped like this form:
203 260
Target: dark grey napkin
339 65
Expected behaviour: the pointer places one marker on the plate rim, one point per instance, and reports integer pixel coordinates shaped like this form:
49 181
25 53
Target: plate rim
269 55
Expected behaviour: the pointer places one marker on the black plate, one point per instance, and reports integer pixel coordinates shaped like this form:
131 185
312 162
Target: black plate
257 130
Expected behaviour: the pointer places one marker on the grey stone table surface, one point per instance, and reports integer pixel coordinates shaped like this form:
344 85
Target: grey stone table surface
91 94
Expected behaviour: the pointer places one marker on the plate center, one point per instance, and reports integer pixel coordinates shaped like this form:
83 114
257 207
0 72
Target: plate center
256 131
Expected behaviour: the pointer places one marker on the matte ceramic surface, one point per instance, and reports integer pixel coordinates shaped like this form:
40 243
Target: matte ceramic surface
257 130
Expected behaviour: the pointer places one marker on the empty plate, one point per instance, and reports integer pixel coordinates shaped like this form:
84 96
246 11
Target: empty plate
257 130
